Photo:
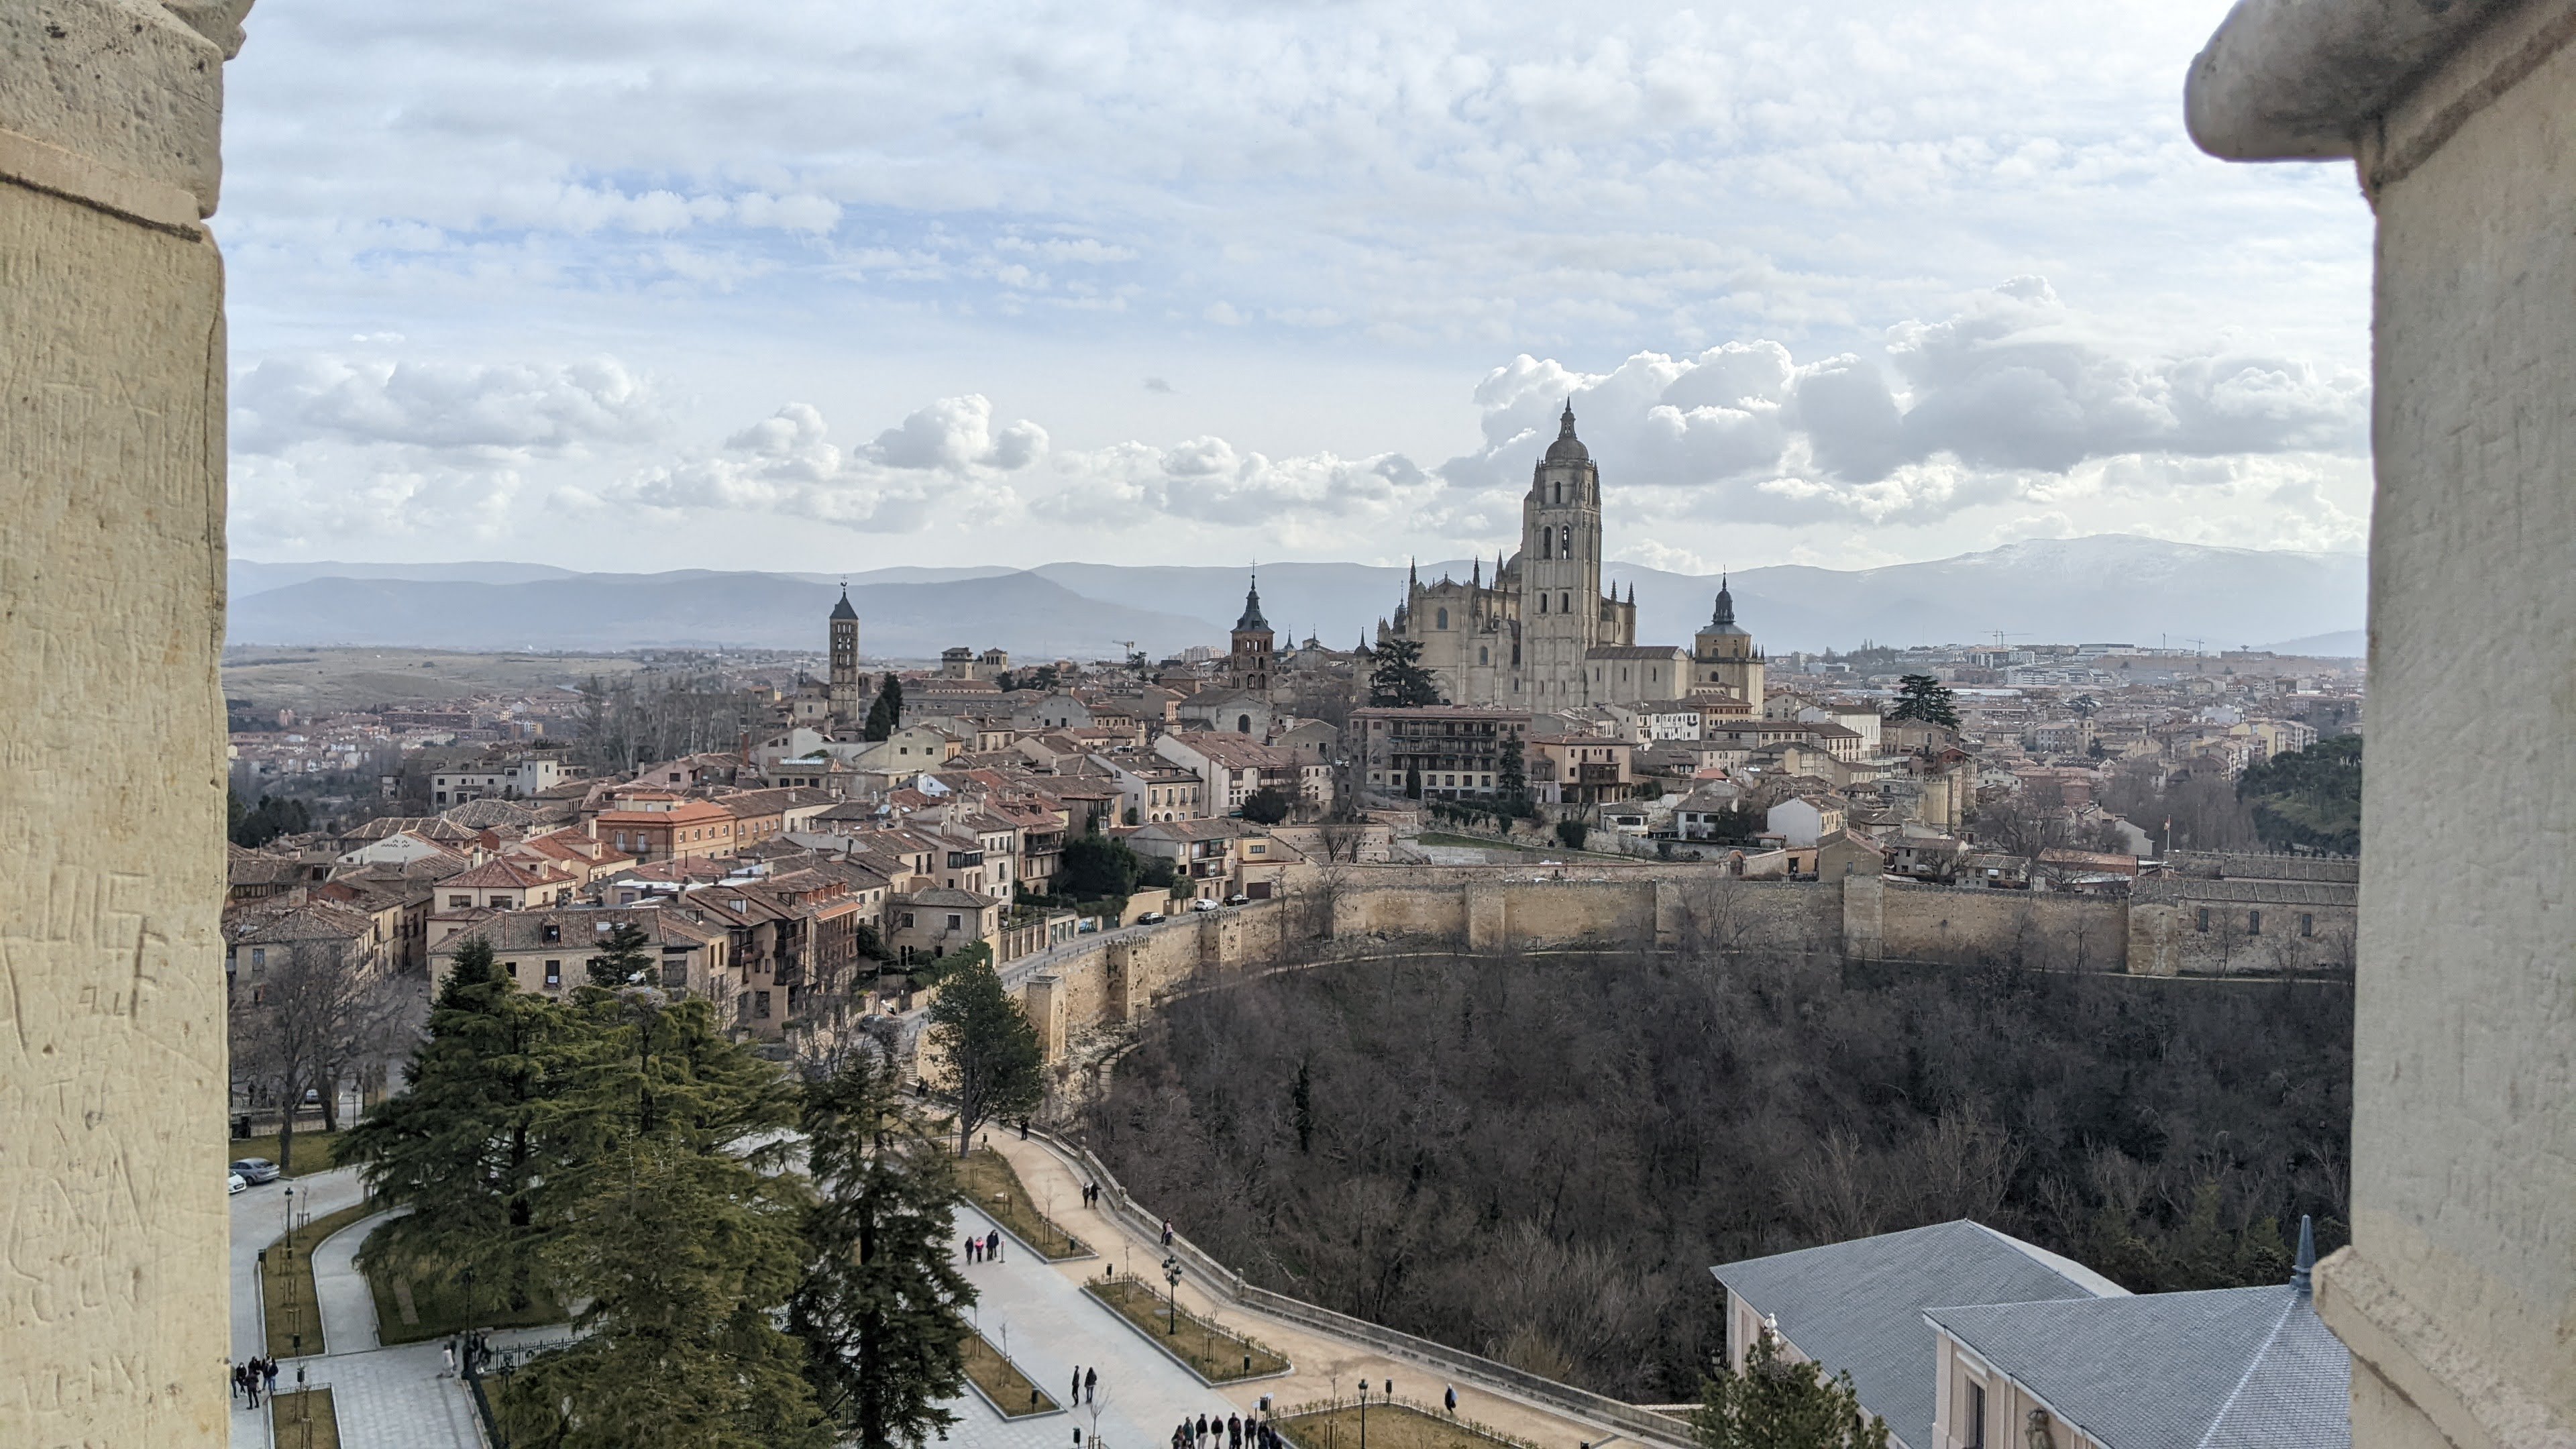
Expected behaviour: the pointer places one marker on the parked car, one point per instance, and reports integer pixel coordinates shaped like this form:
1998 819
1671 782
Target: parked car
1203 904
1238 899
256 1170
1088 926
1151 918
233 1182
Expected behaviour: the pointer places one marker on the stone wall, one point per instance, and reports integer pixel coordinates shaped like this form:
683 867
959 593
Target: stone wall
1975 925
114 1317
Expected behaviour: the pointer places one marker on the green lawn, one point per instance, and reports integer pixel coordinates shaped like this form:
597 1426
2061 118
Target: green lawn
1001 1380
1215 1354
988 1182
439 1305
286 1284
314 1151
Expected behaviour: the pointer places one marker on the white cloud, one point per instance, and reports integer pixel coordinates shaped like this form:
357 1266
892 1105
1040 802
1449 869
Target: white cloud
282 402
944 460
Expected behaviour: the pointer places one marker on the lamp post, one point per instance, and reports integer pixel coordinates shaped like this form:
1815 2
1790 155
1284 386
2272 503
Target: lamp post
1363 1414
1172 1276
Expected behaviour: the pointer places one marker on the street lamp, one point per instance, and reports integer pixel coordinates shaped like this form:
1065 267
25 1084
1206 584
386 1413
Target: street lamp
1172 1275
1363 1414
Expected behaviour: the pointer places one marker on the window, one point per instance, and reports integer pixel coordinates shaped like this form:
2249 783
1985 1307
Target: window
760 1004
2253 923
2204 918
1443 616
554 973
550 933
1542 603
1480 654
1565 541
460 903
1975 1438
258 958
2307 924
1565 603
955 921
514 970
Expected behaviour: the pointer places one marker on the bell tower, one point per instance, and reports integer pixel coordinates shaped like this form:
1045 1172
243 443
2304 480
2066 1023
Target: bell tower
847 711
1560 570
1253 643
1723 659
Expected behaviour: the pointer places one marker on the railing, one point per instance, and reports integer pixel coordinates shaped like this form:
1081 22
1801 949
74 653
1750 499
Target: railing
1582 1403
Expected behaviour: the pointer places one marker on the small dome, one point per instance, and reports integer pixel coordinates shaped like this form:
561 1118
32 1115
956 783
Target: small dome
1567 448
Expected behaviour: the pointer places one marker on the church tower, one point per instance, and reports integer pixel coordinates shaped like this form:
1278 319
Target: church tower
1252 644
1562 613
1723 659
848 710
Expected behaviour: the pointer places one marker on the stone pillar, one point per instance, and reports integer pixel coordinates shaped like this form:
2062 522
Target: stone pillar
1043 1001
114 1315
1118 982
2458 1293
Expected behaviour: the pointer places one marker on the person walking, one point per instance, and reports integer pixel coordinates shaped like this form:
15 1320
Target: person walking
1167 1232
250 1374
1077 1383
1091 1386
450 1351
268 1371
993 1246
1449 1400
1233 1431
237 1381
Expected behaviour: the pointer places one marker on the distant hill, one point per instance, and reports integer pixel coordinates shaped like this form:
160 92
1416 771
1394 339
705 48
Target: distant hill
2109 588
2341 644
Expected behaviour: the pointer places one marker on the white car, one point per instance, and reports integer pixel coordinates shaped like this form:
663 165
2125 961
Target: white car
1203 904
234 1182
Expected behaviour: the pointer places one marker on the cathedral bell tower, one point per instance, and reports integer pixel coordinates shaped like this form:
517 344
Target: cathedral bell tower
1560 570
1723 659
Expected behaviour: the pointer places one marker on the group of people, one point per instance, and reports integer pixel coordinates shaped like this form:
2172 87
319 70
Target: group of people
255 1377
986 1249
1086 1385
1231 1432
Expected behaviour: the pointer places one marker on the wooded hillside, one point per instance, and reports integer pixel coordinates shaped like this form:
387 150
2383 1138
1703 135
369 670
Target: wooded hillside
1539 1159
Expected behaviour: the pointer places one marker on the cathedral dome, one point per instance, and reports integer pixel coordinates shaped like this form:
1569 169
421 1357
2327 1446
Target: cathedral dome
1567 448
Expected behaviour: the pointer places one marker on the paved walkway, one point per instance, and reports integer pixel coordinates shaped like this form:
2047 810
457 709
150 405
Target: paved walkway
1053 1329
1323 1365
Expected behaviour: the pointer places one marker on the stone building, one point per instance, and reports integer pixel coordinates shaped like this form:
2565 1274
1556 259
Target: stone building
1543 635
849 708
2458 1292
2230 913
1251 658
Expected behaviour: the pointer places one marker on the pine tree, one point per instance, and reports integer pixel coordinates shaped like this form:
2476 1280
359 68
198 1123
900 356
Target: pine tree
992 1052
1923 697
460 1145
886 715
879 1307
625 961
672 1228
1399 681
1775 1403
1511 779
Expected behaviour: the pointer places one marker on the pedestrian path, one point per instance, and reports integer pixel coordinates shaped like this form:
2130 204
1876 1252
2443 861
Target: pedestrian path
1055 1330
259 1219
1324 1366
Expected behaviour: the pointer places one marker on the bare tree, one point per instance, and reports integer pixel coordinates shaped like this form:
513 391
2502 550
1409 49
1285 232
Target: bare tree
311 1018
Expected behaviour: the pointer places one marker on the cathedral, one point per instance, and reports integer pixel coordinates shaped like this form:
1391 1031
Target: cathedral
1543 635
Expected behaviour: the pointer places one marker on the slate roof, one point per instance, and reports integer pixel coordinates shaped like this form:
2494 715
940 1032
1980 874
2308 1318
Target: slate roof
1858 1307
2232 1368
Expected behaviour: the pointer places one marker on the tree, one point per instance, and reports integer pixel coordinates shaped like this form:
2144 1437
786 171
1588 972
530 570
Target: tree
1921 696
993 1056
2308 798
878 1310
1511 780
1775 1403
458 1146
275 815
300 1020
1268 805
1399 681
624 961
1413 783
1093 867
664 1216
886 715
1572 833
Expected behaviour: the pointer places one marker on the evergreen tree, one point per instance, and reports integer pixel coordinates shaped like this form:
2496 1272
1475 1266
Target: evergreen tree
1398 680
1094 866
675 1233
1266 806
460 1146
886 715
625 961
879 1307
992 1052
1921 696
1511 779
1778 1404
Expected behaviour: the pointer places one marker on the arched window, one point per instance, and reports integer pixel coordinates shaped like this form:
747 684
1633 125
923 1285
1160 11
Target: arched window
1565 541
1547 543
1480 655
1444 618
1542 603
1557 491
1565 603
1243 724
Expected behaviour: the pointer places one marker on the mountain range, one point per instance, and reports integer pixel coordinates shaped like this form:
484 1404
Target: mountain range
2105 588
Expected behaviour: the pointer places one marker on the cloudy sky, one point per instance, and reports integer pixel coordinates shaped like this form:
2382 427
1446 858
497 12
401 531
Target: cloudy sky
678 283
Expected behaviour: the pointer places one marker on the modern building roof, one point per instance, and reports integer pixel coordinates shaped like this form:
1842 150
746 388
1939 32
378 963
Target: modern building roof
2233 1368
1858 1307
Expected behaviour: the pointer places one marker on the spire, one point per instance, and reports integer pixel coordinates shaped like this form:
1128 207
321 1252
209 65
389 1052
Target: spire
1476 572
1567 448
842 610
1252 608
1725 613
1412 573
2303 1272
1565 424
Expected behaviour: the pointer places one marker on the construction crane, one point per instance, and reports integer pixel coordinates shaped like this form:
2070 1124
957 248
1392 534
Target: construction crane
2001 636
